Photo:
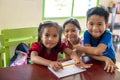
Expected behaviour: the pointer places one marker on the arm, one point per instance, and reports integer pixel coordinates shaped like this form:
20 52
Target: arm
42 61
74 56
97 57
100 58
91 50
89 41
39 60
109 64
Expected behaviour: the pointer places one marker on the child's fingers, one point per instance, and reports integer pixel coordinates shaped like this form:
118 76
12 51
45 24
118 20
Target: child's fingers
112 69
84 65
116 67
87 65
54 68
60 66
108 68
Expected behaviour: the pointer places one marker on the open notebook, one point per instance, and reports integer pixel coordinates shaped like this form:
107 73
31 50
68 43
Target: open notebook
67 70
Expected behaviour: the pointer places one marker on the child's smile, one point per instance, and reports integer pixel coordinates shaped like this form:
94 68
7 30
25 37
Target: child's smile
96 25
71 32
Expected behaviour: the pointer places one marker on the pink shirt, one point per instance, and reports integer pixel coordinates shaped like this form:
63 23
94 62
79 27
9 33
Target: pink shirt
69 44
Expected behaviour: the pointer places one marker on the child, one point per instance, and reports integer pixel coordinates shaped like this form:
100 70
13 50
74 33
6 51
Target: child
45 51
72 30
97 39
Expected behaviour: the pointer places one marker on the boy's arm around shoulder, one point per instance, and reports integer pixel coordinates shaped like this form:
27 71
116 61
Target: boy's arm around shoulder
88 49
98 57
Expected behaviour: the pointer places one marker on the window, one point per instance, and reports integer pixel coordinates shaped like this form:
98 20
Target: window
66 8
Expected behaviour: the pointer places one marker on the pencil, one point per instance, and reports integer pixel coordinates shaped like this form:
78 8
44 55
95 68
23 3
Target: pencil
69 64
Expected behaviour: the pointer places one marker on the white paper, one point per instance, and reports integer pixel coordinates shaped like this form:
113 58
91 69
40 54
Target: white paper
67 70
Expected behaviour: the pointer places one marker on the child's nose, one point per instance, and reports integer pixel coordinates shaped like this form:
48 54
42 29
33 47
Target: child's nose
50 38
69 32
94 27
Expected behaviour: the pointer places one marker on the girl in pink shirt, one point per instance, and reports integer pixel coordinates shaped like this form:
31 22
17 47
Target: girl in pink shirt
71 31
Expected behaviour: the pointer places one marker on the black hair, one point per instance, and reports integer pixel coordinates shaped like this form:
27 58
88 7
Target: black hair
73 21
46 24
101 11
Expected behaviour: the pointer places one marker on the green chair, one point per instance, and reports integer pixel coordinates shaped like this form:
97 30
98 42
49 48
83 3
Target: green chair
13 37
2 50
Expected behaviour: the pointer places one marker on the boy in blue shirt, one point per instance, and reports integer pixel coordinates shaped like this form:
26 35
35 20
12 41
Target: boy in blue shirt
97 39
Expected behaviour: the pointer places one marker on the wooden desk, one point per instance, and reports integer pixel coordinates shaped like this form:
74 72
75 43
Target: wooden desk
37 72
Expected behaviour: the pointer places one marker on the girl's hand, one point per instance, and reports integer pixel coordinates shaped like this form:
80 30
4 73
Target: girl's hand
76 46
110 66
83 65
56 65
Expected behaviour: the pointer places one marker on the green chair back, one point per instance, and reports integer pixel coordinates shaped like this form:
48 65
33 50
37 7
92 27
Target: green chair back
13 37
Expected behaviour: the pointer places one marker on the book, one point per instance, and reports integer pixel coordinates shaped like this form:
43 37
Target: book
69 69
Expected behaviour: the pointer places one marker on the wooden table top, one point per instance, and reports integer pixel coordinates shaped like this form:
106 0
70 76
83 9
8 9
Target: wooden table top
37 72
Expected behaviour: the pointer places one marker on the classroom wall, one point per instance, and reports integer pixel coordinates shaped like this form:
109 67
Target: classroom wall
26 13
20 13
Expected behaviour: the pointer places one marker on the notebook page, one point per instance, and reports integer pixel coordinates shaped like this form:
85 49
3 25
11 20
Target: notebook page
67 70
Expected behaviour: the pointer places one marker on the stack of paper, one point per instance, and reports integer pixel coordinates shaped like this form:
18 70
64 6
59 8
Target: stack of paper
67 70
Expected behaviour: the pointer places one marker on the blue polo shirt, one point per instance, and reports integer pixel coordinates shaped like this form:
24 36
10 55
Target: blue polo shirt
106 38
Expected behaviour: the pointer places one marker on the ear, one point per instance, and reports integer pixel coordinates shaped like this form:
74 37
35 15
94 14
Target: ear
107 25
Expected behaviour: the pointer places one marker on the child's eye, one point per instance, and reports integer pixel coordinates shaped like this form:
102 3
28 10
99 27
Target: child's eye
46 35
73 30
99 24
66 31
54 35
90 24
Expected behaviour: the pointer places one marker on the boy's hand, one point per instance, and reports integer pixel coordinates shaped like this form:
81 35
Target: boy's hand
110 66
56 65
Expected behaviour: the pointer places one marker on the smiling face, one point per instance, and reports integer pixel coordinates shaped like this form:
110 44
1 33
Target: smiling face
96 25
50 37
71 32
